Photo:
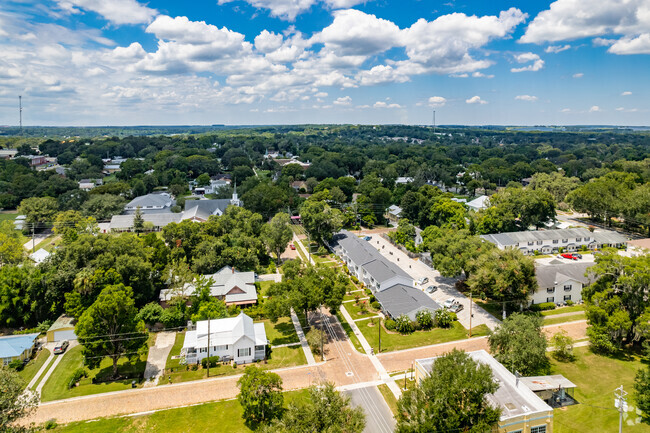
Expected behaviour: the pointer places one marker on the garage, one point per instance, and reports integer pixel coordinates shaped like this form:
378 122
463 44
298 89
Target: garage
64 335
62 329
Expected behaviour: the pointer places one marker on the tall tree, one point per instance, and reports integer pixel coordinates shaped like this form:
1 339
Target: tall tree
277 233
15 405
324 410
110 328
453 251
138 221
452 398
519 344
260 395
320 220
642 391
38 210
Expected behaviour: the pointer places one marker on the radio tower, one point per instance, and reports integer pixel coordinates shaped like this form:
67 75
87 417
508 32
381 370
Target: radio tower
20 111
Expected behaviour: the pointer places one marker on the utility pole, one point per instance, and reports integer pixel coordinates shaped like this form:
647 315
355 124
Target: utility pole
379 330
33 238
20 111
621 404
470 314
322 333
208 347
434 121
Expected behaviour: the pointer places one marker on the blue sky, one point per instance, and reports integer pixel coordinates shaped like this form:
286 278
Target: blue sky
125 62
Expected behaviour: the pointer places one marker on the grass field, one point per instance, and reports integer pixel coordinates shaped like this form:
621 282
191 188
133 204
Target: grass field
551 320
596 378
57 385
388 395
27 374
390 342
563 310
176 350
281 332
356 312
348 330
8 216
220 416
263 286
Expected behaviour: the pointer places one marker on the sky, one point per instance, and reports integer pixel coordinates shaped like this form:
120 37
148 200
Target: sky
241 62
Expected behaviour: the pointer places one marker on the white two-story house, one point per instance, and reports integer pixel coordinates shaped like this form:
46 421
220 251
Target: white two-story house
550 241
235 339
559 282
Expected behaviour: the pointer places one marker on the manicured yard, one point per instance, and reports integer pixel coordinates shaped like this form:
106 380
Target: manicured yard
596 378
57 385
356 312
388 395
263 286
281 332
348 330
395 341
8 216
27 374
350 297
280 358
551 320
176 350
223 416
562 310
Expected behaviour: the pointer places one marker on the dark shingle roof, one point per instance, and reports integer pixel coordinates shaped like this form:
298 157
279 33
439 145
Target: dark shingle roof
400 299
548 275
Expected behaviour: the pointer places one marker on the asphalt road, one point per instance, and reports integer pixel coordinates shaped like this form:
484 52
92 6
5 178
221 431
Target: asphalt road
379 418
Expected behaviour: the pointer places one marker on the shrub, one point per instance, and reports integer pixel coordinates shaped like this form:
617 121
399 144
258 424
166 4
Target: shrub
544 306
356 298
50 424
536 252
76 377
583 248
321 251
563 345
314 339
363 307
17 365
375 305
354 279
390 324
599 340
443 318
368 292
195 367
213 360
570 302
560 250
424 319
403 325
372 299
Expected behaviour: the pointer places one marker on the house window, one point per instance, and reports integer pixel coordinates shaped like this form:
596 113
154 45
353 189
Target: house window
550 299
567 297
555 241
550 290
531 243
203 349
578 239
221 348
244 352
539 242
259 348
564 241
586 239
567 287
538 429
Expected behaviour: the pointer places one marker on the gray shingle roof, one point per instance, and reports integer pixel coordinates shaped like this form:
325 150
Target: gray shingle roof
400 299
125 222
150 201
548 275
204 208
513 238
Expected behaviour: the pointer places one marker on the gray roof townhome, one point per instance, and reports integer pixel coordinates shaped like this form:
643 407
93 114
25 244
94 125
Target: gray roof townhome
550 241
391 285
150 204
560 282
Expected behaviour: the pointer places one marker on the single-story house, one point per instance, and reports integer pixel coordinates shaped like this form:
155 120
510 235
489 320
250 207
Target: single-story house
394 213
403 180
39 256
19 347
151 203
235 338
479 203
212 187
550 241
62 329
228 285
559 282
88 184
8 153
299 184
521 409
124 223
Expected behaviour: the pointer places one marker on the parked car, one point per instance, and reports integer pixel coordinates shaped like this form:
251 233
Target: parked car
367 238
569 256
292 246
579 256
61 347
431 289
449 302
423 280
457 307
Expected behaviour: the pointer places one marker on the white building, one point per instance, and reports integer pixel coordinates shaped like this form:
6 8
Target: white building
233 339
151 203
559 282
479 203
550 241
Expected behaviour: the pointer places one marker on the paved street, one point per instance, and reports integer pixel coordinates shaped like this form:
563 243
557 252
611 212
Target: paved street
379 418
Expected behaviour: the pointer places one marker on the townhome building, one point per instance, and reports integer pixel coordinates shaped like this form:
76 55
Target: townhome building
560 282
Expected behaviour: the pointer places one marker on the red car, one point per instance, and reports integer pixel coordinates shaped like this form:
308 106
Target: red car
569 256
292 246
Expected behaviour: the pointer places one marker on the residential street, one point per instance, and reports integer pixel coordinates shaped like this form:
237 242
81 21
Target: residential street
379 418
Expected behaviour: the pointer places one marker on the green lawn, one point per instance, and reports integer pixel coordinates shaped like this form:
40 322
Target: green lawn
57 385
348 330
350 297
355 310
394 341
388 395
596 378
555 320
223 416
8 216
281 332
263 286
30 370
280 358
562 310
176 350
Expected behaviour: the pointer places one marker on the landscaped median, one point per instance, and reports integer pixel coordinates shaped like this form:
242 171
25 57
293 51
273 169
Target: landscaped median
279 333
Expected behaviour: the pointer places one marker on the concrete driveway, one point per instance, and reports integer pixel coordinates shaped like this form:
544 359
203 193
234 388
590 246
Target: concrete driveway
157 357
379 418
446 288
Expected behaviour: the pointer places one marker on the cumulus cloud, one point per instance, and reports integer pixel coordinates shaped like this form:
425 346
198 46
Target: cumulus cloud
382 104
594 109
344 100
289 9
565 110
556 48
536 65
115 11
626 93
529 98
475 100
578 75
627 21
437 101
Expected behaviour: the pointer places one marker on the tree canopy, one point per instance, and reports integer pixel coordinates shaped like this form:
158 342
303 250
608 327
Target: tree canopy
519 344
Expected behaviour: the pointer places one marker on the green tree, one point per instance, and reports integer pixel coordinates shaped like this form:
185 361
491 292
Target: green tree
562 346
38 210
642 392
103 207
448 213
138 221
14 405
603 197
110 328
520 345
320 220
277 233
453 251
11 250
203 179
459 386
555 183
260 395
325 410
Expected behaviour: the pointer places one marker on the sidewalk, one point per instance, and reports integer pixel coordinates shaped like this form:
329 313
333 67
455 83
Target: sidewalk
303 340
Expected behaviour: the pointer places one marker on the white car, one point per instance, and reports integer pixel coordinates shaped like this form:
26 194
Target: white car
423 280
449 302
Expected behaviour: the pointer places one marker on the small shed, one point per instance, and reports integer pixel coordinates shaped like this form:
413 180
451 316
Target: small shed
62 329
40 256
